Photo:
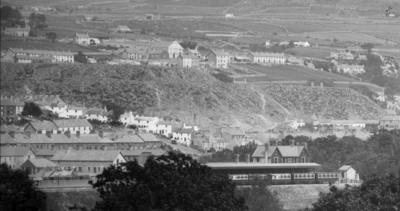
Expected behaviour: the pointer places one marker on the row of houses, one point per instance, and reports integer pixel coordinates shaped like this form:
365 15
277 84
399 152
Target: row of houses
94 141
20 55
388 122
84 161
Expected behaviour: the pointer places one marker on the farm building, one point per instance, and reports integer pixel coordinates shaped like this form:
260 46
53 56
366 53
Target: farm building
348 174
84 39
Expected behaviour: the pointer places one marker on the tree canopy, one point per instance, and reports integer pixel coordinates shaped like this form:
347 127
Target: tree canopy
80 57
32 109
51 36
115 114
376 193
18 192
12 17
169 182
37 21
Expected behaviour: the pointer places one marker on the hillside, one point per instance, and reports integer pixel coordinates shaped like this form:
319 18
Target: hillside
189 95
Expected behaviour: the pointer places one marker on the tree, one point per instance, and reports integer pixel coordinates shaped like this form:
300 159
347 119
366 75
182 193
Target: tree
12 17
291 44
51 36
80 57
368 47
377 193
170 182
31 109
115 114
18 192
259 197
37 21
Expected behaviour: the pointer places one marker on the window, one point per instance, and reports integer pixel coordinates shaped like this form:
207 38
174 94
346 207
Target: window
275 160
88 168
80 169
303 159
283 160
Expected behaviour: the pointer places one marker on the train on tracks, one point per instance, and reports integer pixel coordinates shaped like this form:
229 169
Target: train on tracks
289 178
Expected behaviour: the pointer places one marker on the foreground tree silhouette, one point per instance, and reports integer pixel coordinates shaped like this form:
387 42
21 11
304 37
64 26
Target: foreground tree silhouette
170 182
377 193
18 192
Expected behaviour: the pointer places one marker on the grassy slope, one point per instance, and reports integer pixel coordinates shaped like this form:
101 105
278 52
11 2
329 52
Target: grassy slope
166 92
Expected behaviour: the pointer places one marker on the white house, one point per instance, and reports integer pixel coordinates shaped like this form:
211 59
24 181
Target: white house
183 136
82 39
146 123
74 112
127 118
123 28
228 15
97 114
276 58
219 58
348 174
190 126
163 128
173 48
294 124
58 108
351 69
302 44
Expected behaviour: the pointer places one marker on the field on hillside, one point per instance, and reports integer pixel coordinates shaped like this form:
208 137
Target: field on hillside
346 37
310 52
169 9
259 27
391 36
323 10
301 27
197 3
291 73
370 27
44 45
279 10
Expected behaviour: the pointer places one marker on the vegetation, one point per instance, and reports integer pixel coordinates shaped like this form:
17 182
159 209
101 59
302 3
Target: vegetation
81 58
31 109
376 193
12 17
259 197
169 182
227 155
37 21
18 192
115 114
51 36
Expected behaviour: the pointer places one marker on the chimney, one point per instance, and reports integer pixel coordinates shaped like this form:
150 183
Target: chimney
78 134
48 134
27 134
12 134
101 134
68 133
266 155
292 143
237 158
247 158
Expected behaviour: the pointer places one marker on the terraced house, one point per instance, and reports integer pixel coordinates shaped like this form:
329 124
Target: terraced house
390 122
74 126
10 109
34 56
20 32
262 57
219 58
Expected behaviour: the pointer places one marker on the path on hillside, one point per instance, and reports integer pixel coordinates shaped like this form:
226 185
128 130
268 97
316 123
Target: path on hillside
158 98
226 10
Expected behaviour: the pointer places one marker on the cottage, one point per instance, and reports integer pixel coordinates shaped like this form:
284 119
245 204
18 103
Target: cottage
390 122
281 154
123 28
74 111
41 127
127 118
219 58
15 156
73 125
183 136
275 58
20 32
97 114
302 44
88 161
84 39
146 123
35 165
135 54
188 61
173 48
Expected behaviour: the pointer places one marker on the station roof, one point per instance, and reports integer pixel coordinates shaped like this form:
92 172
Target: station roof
243 165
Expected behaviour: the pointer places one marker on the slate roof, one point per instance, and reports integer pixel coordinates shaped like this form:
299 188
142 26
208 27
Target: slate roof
390 118
38 163
82 35
100 112
62 123
8 128
136 153
266 54
186 130
56 138
7 139
164 123
13 151
45 125
7 102
33 57
344 168
21 50
219 53
129 139
145 118
148 137
162 44
45 152
86 155
18 29
286 151
189 56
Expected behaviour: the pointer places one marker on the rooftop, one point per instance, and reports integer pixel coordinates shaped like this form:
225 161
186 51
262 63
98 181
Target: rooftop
85 155
13 151
242 165
38 163
286 151
62 123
